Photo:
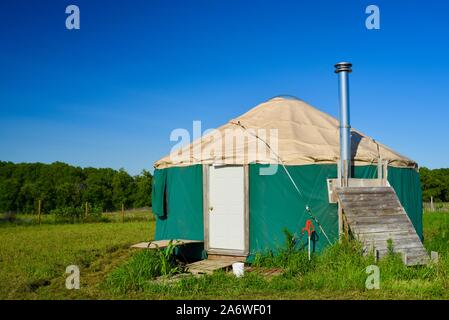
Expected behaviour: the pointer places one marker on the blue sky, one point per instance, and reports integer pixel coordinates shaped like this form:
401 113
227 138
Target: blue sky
109 94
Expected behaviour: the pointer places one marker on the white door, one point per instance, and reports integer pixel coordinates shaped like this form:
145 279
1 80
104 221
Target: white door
226 208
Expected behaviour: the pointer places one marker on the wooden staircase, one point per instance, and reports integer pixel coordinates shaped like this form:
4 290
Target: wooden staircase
374 215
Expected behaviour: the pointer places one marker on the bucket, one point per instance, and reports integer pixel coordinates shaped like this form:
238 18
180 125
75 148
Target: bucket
238 268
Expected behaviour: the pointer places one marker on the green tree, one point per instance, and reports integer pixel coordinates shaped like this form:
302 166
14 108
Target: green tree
98 190
435 183
142 194
122 189
61 186
9 192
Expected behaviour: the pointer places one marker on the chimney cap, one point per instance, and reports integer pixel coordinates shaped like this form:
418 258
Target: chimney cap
343 66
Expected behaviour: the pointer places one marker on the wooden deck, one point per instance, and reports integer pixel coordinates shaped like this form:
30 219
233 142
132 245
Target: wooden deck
161 244
209 266
374 215
265 272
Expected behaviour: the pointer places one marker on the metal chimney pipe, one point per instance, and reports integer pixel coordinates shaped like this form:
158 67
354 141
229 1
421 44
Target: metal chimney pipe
343 69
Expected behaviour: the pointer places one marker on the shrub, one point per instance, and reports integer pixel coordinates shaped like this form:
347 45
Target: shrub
68 213
74 214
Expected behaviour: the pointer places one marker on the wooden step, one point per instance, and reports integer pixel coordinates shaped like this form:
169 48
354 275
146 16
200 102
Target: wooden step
162 244
397 245
384 236
365 212
373 218
375 215
364 190
414 256
371 204
368 196
226 257
379 227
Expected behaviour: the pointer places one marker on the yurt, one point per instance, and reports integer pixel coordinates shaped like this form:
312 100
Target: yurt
237 188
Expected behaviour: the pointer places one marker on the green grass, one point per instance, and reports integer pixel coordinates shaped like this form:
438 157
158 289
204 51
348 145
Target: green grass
141 214
436 231
33 260
338 273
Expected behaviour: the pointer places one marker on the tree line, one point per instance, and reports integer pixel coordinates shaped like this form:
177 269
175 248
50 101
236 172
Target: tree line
60 186
435 183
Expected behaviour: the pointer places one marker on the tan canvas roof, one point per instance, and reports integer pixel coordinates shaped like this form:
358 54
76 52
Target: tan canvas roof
281 129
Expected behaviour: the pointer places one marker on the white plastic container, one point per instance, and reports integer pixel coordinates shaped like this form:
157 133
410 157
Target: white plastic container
238 268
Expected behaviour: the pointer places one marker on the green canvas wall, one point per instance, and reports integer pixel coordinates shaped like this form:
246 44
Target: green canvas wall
274 203
407 185
183 218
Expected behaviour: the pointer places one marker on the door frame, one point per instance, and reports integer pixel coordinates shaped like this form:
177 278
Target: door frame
220 251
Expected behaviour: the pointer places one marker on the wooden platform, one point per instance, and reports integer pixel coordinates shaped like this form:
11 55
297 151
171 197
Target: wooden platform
223 257
209 266
162 243
374 215
265 272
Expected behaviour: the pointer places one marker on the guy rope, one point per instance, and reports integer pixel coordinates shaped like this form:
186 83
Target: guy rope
307 208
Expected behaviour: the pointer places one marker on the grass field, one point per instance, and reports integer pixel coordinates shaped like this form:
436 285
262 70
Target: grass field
33 259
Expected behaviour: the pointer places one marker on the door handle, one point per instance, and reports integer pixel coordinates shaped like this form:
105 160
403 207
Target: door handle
211 208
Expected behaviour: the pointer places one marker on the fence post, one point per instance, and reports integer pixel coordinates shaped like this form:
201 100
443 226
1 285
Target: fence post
123 213
39 204
432 208
86 210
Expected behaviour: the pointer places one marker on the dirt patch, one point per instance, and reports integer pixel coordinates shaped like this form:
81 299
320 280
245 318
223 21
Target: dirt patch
33 286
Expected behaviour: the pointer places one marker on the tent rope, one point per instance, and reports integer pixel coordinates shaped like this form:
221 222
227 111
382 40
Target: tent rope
279 159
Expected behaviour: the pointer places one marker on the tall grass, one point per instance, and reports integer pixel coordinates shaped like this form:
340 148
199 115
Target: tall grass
133 215
144 266
294 261
135 274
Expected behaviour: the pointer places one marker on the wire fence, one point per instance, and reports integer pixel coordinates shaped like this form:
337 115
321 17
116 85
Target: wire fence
124 215
436 206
